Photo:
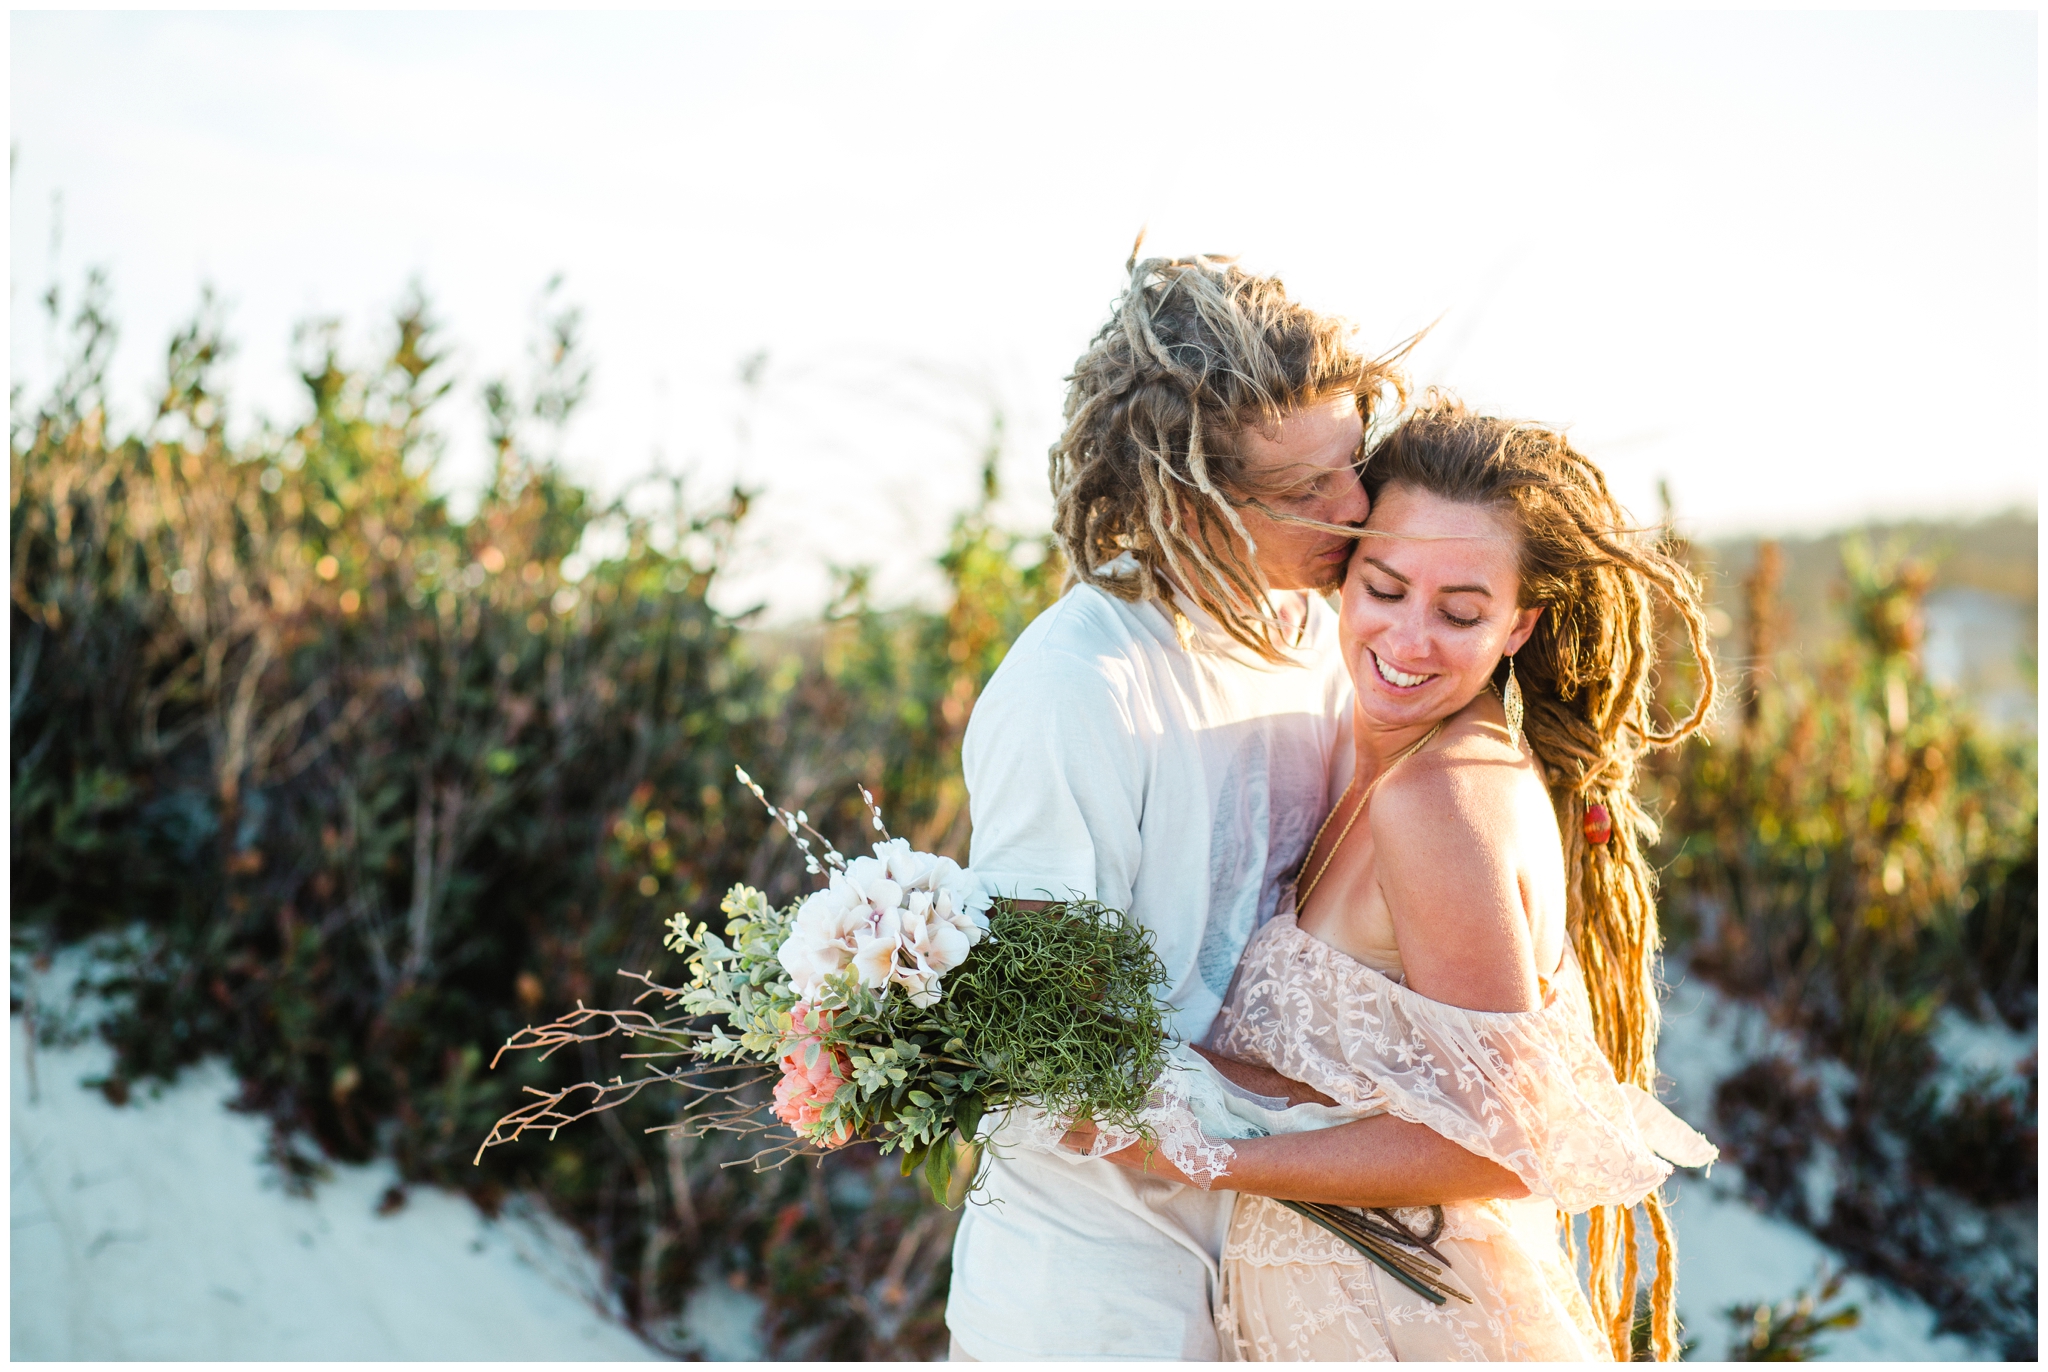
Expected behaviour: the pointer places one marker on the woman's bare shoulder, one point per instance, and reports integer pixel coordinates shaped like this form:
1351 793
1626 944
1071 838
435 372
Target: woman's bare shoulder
1447 830
1471 769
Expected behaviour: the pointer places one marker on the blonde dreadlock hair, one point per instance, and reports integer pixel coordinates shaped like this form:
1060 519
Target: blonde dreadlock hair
1147 465
1585 675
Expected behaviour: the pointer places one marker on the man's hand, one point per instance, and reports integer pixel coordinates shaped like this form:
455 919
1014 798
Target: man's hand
1262 1080
1138 1157
1255 1077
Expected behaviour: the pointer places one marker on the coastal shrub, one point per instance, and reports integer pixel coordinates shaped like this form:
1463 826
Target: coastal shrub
1856 852
1792 1330
379 784
367 783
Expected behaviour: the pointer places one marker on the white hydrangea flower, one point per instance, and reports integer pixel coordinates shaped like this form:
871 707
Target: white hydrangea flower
900 918
874 957
822 939
934 944
962 902
862 871
908 867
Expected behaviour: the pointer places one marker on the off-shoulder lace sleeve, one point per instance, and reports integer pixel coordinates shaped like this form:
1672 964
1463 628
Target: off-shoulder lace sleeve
1531 1091
1188 1118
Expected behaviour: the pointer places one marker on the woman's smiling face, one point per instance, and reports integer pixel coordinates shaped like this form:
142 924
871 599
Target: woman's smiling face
1429 606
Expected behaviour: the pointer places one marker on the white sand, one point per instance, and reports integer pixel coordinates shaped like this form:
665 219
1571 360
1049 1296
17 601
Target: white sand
1730 1254
155 1231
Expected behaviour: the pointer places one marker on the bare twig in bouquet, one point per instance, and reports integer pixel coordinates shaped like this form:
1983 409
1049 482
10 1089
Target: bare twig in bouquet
746 1122
735 1108
674 1034
553 1037
551 1110
709 1105
722 1097
798 824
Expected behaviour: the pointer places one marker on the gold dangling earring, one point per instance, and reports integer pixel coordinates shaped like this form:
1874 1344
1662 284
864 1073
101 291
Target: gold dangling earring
1511 704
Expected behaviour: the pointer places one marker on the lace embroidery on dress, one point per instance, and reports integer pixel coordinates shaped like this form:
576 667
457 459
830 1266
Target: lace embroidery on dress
1174 1115
1526 1305
1288 1238
1530 1090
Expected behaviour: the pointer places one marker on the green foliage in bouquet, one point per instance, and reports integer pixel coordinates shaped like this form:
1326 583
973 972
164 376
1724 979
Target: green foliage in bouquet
736 976
1056 1008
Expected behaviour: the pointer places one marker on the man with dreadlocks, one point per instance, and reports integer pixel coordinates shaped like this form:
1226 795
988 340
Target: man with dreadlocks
1165 740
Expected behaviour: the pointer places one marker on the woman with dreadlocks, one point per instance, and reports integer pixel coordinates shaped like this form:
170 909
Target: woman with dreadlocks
1470 942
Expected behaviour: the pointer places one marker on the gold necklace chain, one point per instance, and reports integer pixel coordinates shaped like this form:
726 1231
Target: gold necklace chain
1301 897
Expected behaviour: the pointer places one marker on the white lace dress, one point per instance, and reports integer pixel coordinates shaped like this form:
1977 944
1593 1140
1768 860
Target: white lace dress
1531 1091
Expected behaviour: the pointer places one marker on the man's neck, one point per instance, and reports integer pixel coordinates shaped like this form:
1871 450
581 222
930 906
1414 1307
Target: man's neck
1292 609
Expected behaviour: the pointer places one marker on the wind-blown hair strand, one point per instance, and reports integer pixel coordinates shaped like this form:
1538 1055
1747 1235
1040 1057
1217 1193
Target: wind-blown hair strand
1146 475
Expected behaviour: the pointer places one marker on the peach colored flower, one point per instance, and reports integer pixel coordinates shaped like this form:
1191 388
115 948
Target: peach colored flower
804 1092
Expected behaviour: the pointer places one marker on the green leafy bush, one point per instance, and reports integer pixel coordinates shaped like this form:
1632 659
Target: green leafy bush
1855 852
379 784
1850 849
1791 1330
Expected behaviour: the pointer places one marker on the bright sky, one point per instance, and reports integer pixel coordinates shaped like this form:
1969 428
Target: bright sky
1787 261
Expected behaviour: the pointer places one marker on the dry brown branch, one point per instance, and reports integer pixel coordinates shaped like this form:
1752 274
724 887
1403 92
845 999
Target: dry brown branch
725 1107
716 1093
550 1038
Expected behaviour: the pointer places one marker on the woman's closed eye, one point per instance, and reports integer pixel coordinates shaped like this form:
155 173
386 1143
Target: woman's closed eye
1396 594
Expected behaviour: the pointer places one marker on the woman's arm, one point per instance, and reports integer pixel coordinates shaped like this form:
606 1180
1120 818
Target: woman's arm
1445 837
1370 1162
1378 1161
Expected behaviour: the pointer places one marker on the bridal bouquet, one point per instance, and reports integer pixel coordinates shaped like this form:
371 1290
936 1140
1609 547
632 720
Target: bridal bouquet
898 1004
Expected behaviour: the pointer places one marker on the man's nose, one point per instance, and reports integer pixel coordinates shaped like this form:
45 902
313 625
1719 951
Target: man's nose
1350 505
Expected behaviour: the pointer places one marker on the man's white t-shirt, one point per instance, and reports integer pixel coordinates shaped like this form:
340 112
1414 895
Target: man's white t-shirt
1180 784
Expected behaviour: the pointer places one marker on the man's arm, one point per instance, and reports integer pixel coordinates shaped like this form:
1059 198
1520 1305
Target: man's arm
1262 1080
1054 782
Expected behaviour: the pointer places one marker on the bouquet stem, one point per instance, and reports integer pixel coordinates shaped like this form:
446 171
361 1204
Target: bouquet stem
1423 1278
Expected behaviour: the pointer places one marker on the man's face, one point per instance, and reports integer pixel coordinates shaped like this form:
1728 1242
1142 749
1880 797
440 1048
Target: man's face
1306 466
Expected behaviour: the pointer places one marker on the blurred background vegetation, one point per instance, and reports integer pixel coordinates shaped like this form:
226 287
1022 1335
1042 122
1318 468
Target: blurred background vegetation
347 788
1856 850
